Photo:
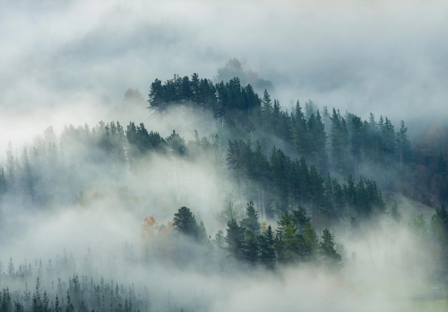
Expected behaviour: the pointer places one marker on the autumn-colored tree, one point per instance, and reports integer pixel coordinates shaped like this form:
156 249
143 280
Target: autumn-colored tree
149 228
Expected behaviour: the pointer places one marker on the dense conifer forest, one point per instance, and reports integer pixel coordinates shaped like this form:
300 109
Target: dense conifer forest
301 178
297 160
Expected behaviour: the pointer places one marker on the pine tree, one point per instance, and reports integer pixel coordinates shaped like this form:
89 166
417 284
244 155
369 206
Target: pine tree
202 234
267 252
185 223
251 248
251 221
267 103
357 142
69 306
3 183
311 241
57 307
293 243
279 247
285 221
439 229
235 239
300 217
5 300
327 253
404 149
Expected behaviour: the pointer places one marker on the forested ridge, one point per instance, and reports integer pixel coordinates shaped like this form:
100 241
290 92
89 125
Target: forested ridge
343 144
300 177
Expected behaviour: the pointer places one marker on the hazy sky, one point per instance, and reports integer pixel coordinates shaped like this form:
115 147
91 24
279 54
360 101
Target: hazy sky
71 61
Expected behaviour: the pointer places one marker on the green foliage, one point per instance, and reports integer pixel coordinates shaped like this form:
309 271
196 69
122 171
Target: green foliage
251 221
328 256
251 247
185 223
267 252
311 242
300 218
235 239
439 229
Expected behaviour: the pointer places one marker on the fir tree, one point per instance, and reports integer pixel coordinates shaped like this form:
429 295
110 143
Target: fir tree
251 221
328 256
235 239
251 248
267 252
185 223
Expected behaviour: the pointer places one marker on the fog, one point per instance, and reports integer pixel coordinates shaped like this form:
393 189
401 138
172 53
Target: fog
71 62
385 267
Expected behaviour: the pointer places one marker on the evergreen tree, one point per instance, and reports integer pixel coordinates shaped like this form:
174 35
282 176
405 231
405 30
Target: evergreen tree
404 149
300 218
251 248
267 103
185 223
3 183
327 253
293 244
267 252
235 239
279 247
311 242
251 221
202 234
439 228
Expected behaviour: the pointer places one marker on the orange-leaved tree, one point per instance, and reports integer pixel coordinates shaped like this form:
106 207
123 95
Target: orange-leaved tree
149 229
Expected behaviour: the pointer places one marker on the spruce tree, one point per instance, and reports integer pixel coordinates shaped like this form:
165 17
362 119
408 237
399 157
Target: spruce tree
267 252
235 239
311 242
279 247
185 223
251 247
328 256
300 217
439 229
267 103
251 221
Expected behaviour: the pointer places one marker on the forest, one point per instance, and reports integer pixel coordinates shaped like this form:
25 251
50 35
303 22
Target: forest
216 156
289 184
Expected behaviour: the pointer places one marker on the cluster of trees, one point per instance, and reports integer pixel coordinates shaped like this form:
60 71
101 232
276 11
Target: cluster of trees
53 171
250 243
247 242
435 234
431 166
56 290
279 184
295 241
343 144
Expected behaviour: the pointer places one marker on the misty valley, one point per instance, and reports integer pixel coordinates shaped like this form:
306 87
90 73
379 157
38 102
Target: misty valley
227 200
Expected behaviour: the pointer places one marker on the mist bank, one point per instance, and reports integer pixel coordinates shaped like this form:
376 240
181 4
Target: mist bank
364 57
121 177
387 266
